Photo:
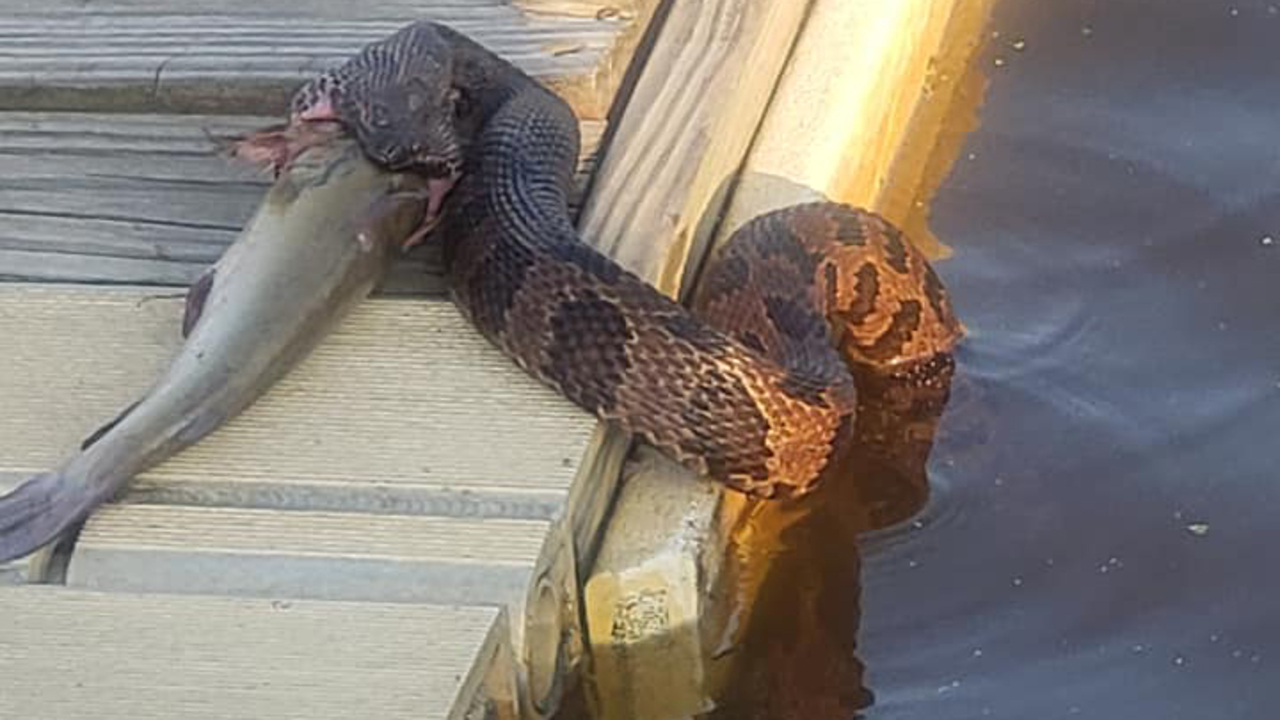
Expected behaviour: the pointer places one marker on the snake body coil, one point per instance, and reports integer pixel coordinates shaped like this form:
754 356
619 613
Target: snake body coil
750 387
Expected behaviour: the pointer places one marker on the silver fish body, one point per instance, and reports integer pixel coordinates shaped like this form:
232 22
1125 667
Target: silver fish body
294 271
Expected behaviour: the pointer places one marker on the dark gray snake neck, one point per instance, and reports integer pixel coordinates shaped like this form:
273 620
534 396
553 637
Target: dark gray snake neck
750 388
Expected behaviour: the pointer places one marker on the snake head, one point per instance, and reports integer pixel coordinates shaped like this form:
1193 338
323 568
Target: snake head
397 96
408 126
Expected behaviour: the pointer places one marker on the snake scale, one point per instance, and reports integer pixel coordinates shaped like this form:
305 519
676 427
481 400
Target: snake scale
749 387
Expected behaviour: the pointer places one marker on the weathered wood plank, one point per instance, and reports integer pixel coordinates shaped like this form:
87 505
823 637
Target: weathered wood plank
576 8
637 18
76 655
139 199
689 121
247 57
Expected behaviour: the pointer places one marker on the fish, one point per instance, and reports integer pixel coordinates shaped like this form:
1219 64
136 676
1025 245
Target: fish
318 244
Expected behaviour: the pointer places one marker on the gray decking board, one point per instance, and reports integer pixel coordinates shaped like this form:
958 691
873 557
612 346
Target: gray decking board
246 57
74 655
138 199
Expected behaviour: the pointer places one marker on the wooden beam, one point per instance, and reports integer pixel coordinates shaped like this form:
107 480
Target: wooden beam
634 18
676 149
838 126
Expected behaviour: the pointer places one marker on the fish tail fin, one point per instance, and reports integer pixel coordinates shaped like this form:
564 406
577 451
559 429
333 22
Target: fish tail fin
36 512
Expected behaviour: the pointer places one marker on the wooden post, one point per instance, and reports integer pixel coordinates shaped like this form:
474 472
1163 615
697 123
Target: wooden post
688 124
857 79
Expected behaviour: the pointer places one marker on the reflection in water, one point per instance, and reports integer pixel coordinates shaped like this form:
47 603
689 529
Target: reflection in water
798 561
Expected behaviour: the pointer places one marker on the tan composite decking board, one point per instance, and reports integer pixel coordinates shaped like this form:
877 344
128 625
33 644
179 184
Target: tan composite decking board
246 56
74 655
249 531
405 408
139 199
323 556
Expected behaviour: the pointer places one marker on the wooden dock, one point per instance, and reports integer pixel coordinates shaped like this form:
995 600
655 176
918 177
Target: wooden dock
392 531
405 526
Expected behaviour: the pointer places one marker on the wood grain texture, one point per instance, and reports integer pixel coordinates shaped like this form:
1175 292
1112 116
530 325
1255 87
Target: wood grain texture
636 18
577 8
246 57
837 126
140 199
688 123
77 655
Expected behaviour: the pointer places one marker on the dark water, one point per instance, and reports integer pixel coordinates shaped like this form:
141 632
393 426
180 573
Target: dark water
1101 537
1106 546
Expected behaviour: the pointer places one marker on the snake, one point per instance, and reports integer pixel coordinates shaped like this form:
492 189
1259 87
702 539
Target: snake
750 384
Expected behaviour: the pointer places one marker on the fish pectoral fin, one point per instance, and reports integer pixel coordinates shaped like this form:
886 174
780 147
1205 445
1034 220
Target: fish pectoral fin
96 435
196 296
